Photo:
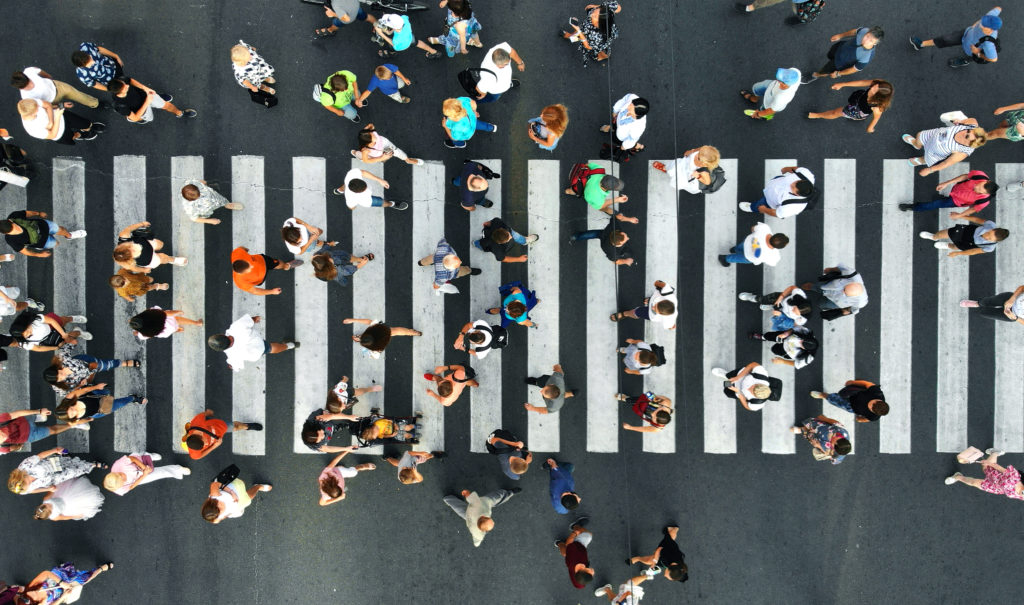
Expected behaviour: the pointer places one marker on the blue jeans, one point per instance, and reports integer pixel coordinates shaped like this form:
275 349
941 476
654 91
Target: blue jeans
737 256
584 235
102 365
489 98
942 202
118 403
37 432
51 241
754 206
838 401
377 201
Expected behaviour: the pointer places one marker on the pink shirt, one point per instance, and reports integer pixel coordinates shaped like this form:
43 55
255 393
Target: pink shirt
963 194
131 472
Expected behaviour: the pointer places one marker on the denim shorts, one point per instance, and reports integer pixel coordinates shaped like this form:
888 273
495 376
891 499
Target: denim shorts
51 241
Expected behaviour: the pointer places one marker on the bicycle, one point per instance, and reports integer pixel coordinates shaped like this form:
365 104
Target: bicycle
402 6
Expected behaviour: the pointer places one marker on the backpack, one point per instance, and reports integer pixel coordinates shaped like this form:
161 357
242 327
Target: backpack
717 180
775 384
499 337
470 77
578 175
484 170
500 448
812 197
324 97
8 594
984 39
659 352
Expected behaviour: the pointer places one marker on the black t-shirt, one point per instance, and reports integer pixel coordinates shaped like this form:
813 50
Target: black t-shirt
860 99
611 251
92 405
34 233
500 251
859 397
326 426
670 555
146 254
466 197
131 102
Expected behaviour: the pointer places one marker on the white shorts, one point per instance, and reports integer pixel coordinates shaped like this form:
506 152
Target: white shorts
156 103
585 538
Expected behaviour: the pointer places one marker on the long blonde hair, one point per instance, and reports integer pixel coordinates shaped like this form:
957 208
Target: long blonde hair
556 118
453 109
709 156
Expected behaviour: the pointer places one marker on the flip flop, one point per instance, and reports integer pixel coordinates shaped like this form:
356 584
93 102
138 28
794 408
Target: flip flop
660 166
369 256
909 140
746 94
616 316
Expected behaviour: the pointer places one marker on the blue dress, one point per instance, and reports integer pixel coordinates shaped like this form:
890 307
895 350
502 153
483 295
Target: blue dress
451 41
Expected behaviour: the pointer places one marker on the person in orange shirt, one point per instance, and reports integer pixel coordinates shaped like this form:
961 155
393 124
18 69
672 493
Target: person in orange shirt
250 270
204 433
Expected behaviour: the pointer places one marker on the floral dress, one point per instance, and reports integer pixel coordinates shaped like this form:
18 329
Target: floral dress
79 369
451 41
596 38
823 432
53 470
255 71
207 202
1004 482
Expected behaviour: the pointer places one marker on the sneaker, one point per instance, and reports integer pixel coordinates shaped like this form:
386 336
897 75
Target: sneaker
105 105
188 113
925 235
719 372
531 239
356 120
486 203
34 304
400 206
98 127
253 426
516 490
83 335
338 191
495 128
1014 187
959 62
968 303
88 136
418 162
515 83
82 427
916 42
600 591
950 480
186 471
450 144
723 260
745 206
156 457
994 452
817 395
296 263
79 319
652 571
905 207
766 307
76 234
742 8
438 455
475 271
295 344
580 522
166 97
808 78
747 297
755 336
943 245
180 261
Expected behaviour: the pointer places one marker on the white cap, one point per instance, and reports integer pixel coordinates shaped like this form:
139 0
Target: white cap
393 21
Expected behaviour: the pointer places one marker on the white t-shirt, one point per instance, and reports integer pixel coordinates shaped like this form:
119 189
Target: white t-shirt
667 293
747 383
779 189
43 89
40 330
636 593
303 233
501 81
777 99
756 249
628 129
684 168
248 343
37 127
352 199
791 311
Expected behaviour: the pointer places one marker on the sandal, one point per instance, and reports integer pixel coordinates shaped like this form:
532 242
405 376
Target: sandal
406 99
385 53
132 363
369 256
434 55
107 566
617 316
660 166
324 32
909 140
746 94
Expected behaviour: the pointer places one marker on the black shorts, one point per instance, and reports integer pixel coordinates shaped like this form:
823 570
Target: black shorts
962 236
670 553
72 123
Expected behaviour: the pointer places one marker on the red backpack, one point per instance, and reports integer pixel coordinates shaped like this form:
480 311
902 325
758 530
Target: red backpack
578 176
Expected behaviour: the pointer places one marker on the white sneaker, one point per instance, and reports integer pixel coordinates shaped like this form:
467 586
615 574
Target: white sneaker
186 471
76 234
652 571
719 372
1014 187
747 297
600 591
950 480
38 306
180 261
85 426
6 258
943 245
926 235
532 239
745 206
83 335
994 452
766 307
155 457
79 319
817 394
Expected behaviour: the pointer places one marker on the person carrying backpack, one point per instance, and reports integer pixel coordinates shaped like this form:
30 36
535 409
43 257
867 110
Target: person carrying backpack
513 457
750 385
786 195
482 338
860 397
697 171
979 42
340 95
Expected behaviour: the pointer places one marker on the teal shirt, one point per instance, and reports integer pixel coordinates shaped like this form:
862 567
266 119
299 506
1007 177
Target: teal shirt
463 129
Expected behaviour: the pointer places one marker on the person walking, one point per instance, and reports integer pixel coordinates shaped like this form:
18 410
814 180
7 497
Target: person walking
786 195
978 237
478 338
447 266
68 372
451 380
230 499
998 480
971 192
552 390
204 433
42 472
252 71
804 11
331 263
200 202
298 235
828 438
461 28
341 13
630 592
946 146
92 402
654 410
357 191
408 465
31 233
749 385
61 584
332 479
1007 306
16 430
242 342
389 81
979 42
562 486
667 556
73 500
546 130
136 101
613 243
640 357
154 322
516 303
598 190
396 31
760 247
772 96
851 52
340 95
794 347
594 34
862 103
129 285
374 149
476 510
461 120
473 185
497 238
1012 127
377 335
495 73
513 456
42 120
659 308
132 470
860 397
629 120
698 171
42 333
249 271
574 549
138 251
838 291
789 308
96 66
34 83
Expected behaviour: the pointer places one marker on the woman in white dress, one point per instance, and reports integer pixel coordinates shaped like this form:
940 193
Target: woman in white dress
693 169
42 472
74 500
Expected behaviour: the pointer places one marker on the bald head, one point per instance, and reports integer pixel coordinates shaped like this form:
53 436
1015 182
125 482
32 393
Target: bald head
485 524
451 262
853 289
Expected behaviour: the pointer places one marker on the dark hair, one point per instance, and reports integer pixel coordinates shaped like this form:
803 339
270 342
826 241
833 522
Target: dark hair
323 267
376 337
810 343
500 235
210 510
991 187
240 266
663 417
570 501
80 58
877 32
617 238
365 138
310 430
445 388
515 309
61 411
646 357
1001 234
19 80
356 185
116 86
583 577
883 96
881 407
338 83
123 252
291 235
190 192
641 106
476 337
329 486
219 342
665 307
678 573
50 375
6 226
801 303
149 323
461 8
804 188
778 240
843 446
194 442
334 403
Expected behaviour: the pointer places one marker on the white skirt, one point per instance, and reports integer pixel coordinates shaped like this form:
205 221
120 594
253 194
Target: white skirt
76 497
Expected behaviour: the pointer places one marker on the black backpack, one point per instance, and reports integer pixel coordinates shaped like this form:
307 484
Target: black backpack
501 448
775 384
499 337
812 198
470 77
659 352
717 179
994 41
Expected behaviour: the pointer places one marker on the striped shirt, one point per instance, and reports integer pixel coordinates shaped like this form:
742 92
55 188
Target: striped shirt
443 274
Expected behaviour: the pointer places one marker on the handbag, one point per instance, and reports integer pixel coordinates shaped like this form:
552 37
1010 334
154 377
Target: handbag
226 476
969 455
470 77
263 97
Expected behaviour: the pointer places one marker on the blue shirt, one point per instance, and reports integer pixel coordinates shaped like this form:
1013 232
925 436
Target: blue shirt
561 482
851 53
403 39
388 87
518 296
102 70
442 274
973 33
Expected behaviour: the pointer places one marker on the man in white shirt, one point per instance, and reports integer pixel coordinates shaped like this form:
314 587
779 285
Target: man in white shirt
785 195
760 247
661 308
476 509
772 96
630 121
35 83
357 191
496 73
242 342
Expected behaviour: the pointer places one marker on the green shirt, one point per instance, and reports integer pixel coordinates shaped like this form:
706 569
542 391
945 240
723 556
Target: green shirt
338 99
592 192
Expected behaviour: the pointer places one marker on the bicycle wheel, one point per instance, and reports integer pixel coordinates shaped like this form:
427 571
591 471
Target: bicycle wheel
404 6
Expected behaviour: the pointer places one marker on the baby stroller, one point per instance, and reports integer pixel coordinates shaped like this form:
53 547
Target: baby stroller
391 429
13 166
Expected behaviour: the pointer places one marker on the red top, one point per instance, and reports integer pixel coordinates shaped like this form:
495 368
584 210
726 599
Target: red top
256 275
217 427
14 433
963 193
575 553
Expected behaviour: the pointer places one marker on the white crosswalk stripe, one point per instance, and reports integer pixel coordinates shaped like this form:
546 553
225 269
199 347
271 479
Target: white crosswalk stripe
723 228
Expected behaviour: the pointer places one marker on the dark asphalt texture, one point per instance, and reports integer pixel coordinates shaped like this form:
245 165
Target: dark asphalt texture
756 528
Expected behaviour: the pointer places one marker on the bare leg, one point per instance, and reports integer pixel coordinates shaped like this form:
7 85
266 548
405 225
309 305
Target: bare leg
998 133
57 429
152 287
826 115
944 234
358 261
278 347
405 332
374 389
63 231
189 322
972 481
170 108
426 261
392 461
648 560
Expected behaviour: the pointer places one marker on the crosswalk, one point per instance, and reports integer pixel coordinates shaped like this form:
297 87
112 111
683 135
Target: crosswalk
663 255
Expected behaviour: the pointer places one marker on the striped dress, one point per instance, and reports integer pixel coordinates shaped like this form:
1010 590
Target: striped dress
939 143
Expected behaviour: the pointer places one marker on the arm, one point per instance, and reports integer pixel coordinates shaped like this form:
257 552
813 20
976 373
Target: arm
459 340
876 115
517 59
373 177
641 429
354 320
974 219
1005 108
624 261
362 98
970 252
784 294
558 368
516 444
846 34
535 408
402 77
356 94
334 461
839 85
127 231
23 413
953 158
111 54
